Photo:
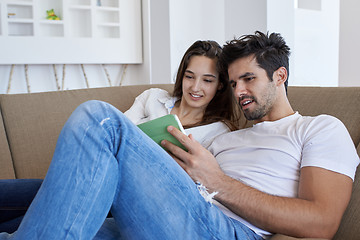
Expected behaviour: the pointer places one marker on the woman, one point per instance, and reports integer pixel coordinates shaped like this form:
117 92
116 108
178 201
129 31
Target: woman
201 99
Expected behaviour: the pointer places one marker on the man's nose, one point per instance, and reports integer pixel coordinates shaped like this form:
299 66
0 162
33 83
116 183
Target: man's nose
239 89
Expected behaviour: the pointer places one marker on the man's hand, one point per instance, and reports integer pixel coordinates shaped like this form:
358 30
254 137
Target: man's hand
198 162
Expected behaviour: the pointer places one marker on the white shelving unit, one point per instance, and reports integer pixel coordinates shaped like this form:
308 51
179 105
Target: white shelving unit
89 31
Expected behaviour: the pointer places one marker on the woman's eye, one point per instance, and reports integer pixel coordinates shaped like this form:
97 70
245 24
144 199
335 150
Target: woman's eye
208 80
188 76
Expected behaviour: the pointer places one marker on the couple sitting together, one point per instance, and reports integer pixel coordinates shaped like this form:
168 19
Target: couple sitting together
287 173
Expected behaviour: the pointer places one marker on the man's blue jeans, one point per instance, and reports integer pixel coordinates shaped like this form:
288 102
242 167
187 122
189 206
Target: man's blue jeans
101 162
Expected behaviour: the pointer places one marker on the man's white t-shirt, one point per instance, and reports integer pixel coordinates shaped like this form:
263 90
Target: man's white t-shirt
269 155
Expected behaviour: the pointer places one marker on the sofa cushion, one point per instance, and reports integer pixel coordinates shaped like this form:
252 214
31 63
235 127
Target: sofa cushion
34 121
6 169
341 102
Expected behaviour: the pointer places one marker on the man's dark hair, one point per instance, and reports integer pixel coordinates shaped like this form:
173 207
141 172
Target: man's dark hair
270 51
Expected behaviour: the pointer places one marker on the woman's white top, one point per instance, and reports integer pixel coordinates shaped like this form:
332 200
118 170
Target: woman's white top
154 103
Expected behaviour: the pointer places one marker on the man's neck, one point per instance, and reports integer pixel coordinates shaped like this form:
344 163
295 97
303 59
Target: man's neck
280 110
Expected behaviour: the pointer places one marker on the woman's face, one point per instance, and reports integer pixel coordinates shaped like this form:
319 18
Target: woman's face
200 82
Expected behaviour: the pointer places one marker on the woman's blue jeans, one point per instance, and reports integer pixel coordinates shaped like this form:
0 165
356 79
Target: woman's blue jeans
101 162
16 196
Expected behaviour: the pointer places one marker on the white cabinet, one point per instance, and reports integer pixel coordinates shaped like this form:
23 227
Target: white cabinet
89 31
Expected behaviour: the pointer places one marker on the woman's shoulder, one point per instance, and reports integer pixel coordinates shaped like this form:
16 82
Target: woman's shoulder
205 134
156 91
211 129
152 94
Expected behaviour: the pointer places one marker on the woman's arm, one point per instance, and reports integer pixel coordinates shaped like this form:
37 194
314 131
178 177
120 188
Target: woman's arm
137 110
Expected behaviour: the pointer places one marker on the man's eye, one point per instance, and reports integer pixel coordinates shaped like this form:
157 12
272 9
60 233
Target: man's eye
249 78
208 80
232 83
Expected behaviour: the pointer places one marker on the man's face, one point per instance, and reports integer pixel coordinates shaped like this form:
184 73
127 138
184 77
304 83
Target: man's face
255 92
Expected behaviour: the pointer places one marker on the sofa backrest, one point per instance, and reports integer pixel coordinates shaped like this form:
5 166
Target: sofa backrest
6 164
340 102
33 122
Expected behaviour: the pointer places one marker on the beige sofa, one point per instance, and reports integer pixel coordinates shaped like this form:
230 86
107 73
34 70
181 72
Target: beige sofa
31 123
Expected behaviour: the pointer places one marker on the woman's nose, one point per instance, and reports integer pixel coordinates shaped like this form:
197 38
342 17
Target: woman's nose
196 85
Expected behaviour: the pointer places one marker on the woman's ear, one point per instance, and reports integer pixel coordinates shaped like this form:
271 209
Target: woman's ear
220 86
280 75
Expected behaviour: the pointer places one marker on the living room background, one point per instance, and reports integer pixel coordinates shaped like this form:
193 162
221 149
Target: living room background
320 32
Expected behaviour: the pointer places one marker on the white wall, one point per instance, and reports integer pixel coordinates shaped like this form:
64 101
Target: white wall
191 21
316 49
244 17
157 44
312 32
218 20
349 50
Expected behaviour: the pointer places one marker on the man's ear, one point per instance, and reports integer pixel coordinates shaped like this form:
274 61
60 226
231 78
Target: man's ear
280 75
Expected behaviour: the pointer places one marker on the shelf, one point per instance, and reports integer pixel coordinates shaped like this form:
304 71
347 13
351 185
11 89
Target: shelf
109 3
80 2
109 33
20 20
44 6
19 11
18 29
109 24
108 9
21 3
81 23
107 17
51 30
80 7
52 22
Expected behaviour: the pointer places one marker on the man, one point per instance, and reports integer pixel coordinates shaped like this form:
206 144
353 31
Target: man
286 174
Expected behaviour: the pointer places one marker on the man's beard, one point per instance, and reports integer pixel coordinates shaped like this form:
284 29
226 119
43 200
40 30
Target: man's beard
259 112
256 114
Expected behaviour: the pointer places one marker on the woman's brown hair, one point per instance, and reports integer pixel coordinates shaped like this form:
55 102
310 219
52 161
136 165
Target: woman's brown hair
223 107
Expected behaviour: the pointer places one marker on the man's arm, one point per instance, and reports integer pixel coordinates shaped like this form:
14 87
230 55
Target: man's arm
322 198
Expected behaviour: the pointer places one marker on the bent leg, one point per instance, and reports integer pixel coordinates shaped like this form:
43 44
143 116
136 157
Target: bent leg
78 190
102 160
